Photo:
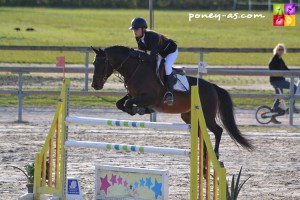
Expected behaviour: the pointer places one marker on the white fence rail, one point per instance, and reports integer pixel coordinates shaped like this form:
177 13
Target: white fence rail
190 71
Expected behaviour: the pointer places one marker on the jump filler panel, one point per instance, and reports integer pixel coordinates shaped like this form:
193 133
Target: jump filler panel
130 183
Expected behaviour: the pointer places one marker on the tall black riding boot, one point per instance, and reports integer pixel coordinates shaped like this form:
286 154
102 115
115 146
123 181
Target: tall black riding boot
169 98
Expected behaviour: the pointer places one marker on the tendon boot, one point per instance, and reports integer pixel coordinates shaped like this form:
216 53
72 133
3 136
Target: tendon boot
168 97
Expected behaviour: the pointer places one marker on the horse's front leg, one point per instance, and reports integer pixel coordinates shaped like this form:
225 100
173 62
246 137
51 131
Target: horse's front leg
142 102
121 103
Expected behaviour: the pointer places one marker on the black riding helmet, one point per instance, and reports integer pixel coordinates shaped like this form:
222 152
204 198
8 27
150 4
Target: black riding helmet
138 22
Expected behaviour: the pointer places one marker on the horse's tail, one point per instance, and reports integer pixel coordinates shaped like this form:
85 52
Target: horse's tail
227 117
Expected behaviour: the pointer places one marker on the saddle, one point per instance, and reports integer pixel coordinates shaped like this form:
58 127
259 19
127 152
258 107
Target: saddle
181 84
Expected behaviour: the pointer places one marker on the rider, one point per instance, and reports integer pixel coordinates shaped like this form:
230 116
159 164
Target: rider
279 83
157 44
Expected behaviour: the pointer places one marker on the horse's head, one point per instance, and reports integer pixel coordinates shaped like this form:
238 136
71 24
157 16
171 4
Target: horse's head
102 69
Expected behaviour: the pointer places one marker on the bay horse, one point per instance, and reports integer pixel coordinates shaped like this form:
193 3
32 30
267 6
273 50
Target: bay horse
146 91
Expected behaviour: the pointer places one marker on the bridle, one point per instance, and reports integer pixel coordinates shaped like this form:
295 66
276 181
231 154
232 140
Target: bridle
117 69
105 69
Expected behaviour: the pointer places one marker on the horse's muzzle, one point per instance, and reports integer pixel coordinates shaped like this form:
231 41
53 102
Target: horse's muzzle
96 86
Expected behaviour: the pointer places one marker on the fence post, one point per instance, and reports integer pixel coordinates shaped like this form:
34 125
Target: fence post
153 117
20 95
269 5
86 64
234 4
201 56
200 60
249 5
151 17
292 101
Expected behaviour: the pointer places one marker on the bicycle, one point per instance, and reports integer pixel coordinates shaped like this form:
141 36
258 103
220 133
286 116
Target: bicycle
264 113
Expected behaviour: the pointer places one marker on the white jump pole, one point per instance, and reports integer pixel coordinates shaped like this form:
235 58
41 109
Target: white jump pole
126 147
126 123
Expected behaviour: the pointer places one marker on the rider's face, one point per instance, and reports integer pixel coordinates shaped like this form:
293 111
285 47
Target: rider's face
138 32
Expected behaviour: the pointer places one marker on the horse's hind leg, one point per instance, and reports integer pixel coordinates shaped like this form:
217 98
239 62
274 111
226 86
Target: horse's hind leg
217 130
186 117
211 125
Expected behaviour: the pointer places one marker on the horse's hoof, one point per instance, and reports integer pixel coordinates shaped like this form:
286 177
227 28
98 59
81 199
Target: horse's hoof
120 106
221 164
132 114
132 111
141 110
129 111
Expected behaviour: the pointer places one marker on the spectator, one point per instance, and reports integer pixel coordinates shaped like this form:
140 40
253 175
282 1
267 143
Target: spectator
279 83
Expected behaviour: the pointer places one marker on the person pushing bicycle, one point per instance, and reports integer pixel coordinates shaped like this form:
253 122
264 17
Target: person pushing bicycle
279 83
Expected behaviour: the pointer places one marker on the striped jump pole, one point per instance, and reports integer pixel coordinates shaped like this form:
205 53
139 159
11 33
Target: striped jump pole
126 147
125 123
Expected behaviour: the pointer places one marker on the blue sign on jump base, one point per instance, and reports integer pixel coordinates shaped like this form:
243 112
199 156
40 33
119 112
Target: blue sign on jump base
73 189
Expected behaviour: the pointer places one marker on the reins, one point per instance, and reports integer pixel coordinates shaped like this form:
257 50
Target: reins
120 67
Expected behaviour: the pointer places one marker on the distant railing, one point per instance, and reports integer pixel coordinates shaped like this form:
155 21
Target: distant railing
183 49
87 70
87 51
189 71
250 4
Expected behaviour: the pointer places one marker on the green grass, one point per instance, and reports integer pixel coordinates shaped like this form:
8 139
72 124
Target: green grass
236 80
251 102
99 27
109 101
42 100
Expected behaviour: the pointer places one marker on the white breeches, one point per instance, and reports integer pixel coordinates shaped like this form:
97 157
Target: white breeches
169 61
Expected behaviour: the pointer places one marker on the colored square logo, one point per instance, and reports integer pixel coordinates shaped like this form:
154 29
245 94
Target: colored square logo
278 9
289 20
278 20
284 14
290 9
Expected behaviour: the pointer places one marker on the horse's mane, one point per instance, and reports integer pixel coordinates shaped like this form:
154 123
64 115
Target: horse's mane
116 46
125 48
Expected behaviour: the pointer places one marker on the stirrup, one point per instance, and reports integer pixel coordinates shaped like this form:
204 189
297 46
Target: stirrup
168 98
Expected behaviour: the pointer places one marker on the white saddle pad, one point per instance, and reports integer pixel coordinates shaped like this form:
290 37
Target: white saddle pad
182 84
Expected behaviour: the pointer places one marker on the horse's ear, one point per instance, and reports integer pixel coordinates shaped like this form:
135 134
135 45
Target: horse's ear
98 51
95 50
